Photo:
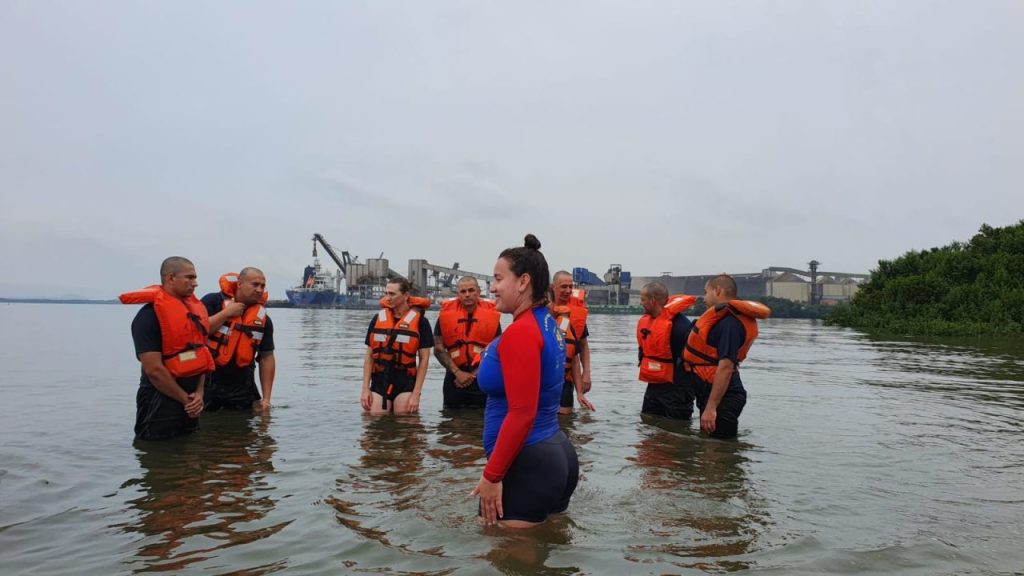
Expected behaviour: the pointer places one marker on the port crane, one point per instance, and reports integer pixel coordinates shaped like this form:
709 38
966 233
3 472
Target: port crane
343 261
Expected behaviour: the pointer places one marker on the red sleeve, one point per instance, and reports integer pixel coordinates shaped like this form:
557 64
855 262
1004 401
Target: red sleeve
519 351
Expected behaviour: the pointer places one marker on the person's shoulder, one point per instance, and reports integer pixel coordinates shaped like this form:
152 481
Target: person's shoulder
212 298
145 313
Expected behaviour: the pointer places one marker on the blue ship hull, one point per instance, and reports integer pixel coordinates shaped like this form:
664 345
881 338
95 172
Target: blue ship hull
306 298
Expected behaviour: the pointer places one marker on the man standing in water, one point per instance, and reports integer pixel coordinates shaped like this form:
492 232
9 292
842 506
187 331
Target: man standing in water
571 315
717 344
241 335
661 335
465 326
169 334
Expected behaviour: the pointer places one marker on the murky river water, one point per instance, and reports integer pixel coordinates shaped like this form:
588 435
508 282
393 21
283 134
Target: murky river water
855 456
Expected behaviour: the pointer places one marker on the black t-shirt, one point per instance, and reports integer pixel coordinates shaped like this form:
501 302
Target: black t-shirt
146 337
233 374
426 335
727 336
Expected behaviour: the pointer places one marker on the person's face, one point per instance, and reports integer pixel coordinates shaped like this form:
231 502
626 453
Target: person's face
712 295
395 296
251 288
646 302
562 289
510 291
469 294
183 283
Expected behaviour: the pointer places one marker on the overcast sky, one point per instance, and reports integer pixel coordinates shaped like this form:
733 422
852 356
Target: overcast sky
667 136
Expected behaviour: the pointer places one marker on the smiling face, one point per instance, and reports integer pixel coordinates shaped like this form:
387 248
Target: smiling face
511 292
562 288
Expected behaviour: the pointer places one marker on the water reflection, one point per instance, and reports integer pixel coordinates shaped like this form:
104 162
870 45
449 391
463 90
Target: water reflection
387 478
713 520
528 552
199 492
460 439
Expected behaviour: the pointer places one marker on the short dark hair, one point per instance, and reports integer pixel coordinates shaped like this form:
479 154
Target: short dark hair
404 286
726 283
173 265
656 290
527 259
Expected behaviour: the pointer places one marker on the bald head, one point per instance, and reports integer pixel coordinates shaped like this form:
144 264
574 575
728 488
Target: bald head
249 270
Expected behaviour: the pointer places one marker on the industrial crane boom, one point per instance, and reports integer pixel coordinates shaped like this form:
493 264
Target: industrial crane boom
342 262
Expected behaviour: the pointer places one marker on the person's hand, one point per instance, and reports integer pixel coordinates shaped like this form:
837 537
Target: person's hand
365 398
194 406
414 403
585 403
233 308
708 419
490 500
462 378
263 405
586 382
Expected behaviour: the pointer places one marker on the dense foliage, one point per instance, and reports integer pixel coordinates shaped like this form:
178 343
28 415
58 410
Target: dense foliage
968 288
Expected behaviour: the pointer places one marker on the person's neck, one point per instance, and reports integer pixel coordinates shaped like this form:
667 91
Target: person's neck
527 305
401 310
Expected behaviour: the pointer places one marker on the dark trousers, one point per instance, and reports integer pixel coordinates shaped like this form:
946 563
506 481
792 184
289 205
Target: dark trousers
727 420
468 397
670 399
158 417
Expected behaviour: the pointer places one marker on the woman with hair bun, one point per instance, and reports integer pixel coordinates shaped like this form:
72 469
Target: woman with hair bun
531 469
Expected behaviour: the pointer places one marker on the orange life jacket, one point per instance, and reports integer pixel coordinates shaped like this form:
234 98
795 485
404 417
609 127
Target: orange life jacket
578 298
184 326
239 337
466 335
700 357
654 337
395 342
571 320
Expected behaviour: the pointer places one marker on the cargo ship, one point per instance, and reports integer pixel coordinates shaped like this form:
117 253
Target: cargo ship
319 289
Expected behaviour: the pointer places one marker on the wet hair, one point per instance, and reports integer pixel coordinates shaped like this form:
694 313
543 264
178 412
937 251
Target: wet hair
173 265
559 274
404 286
527 259
657 291
726 283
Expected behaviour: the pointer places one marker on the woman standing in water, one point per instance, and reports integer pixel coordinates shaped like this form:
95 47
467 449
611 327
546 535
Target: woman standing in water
531 469
398 344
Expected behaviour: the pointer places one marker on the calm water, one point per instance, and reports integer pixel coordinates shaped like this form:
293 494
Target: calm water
855 456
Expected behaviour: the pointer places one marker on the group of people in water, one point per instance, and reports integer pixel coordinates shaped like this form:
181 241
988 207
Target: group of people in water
201 355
